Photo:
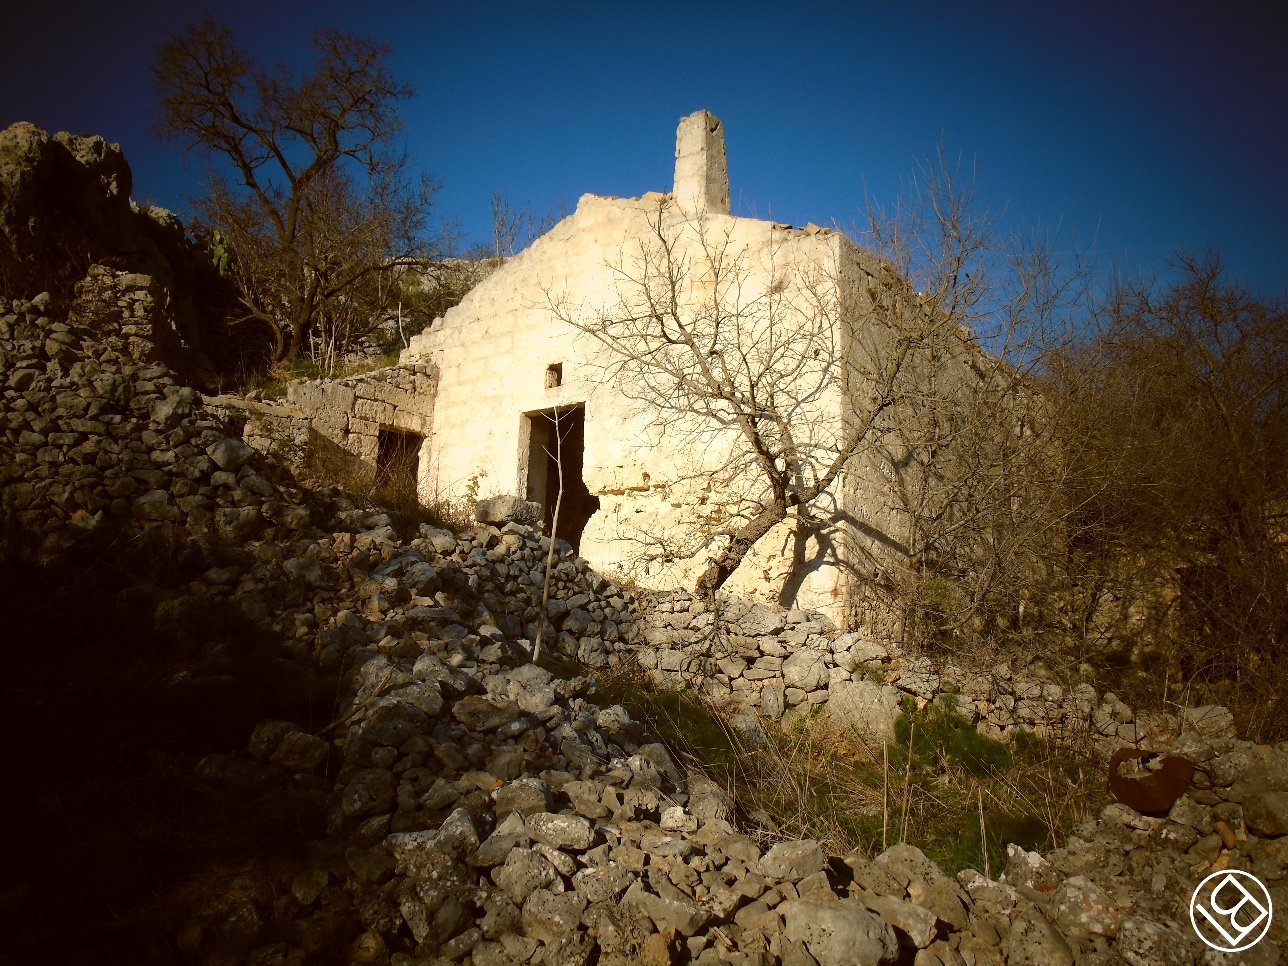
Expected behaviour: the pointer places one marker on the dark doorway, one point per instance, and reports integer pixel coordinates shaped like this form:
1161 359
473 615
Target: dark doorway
545 452
398 460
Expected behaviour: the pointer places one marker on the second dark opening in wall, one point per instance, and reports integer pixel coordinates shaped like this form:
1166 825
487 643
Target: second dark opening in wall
398 460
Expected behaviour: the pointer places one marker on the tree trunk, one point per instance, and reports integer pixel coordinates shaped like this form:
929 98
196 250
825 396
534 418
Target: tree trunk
298 328
550 554
740 543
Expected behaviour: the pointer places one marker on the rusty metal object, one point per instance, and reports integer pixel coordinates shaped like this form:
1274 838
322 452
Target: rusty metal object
1158 791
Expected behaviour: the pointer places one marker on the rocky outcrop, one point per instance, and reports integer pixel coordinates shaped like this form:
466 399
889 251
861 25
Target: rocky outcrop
65 205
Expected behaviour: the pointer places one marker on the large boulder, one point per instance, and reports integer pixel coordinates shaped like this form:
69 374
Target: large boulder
55 189
866 706
1269 774
840 933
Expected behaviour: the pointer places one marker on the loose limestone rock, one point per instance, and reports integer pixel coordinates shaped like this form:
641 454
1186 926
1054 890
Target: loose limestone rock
547 916
229 454
677 914
1035 942
792 861
912 924
805 670
866 706
1267 813
561 831
1142 942
839 933
1081 908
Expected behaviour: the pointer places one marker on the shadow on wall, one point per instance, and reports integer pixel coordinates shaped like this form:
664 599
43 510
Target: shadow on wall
865 588
325 461
804 562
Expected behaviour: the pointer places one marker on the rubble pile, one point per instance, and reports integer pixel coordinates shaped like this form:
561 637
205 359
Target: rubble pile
504 818
485 810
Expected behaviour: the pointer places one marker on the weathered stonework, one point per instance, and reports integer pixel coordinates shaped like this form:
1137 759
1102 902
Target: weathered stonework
348 414
505 357
701 168
351 412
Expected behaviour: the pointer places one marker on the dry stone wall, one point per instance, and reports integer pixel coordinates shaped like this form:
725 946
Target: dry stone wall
97 430
779 663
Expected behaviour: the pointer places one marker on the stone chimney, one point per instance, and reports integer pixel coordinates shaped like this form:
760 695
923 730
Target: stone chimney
701 172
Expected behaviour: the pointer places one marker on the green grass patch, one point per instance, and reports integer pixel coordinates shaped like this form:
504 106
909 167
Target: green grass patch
849 790
687 725
944 736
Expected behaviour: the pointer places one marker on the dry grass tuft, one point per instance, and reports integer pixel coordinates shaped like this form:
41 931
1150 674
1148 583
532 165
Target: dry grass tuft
814 779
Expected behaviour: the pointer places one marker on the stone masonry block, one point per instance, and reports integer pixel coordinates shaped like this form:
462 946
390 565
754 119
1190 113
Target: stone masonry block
373 411
335 396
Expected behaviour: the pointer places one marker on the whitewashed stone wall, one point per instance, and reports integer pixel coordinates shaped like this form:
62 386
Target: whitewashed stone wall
494 349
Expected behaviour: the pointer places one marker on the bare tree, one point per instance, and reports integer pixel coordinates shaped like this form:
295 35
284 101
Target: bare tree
741 360
557 456
515 225
793 378
971 454
1174 423
318 209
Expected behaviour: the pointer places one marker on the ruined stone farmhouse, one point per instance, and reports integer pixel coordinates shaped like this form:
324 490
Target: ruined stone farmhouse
476 396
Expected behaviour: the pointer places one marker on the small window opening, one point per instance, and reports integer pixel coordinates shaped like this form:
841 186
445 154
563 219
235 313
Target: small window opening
554 375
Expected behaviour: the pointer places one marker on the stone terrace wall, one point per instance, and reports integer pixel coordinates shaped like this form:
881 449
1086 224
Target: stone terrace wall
92 425
780 663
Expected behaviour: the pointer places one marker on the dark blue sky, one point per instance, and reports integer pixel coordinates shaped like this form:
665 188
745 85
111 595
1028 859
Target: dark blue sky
1146 127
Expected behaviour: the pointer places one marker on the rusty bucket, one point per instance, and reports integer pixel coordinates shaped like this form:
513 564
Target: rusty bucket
1156 792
